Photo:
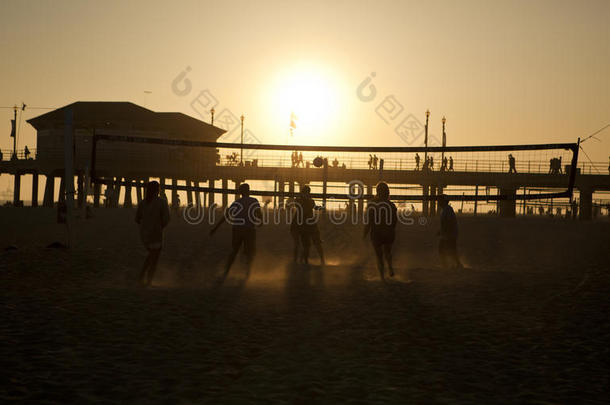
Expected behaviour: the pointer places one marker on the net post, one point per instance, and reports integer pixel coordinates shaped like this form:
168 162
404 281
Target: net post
476 195
573 168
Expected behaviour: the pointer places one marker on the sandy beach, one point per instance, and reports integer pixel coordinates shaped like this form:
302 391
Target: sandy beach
525 322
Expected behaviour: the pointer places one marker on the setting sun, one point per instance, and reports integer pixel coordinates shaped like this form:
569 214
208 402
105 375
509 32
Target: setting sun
309 97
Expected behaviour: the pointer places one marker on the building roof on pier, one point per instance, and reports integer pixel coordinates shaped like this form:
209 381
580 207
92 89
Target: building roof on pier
126 115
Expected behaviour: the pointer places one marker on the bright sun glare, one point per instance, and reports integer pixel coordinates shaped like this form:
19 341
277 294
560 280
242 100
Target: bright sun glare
310 97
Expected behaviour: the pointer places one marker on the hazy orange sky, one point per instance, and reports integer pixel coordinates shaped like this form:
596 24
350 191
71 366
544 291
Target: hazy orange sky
501 72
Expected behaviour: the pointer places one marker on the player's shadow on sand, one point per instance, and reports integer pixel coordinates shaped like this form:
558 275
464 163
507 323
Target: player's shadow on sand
235 278
316 277
303 276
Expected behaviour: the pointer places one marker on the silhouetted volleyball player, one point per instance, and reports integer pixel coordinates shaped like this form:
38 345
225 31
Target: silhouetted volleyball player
447 247
244 214
152 216
307 225
381 224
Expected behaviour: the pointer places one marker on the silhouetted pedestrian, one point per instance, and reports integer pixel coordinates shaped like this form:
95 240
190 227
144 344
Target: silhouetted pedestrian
244 214
416 161
555 166
511 164
450 163
447 247
152 215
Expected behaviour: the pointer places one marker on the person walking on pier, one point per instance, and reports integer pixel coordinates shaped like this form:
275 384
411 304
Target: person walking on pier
300 159
431 164
381 223
511 164
375 161
448 233
244 214
152 216
307 225
555 166
416 161
426 164
450 163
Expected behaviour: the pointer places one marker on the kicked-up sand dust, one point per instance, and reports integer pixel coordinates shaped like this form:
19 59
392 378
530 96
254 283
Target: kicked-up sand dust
525 322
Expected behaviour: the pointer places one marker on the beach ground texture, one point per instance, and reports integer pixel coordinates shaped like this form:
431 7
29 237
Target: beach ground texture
527 320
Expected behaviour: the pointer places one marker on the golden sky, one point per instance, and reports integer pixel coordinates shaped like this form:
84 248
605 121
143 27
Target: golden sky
501 71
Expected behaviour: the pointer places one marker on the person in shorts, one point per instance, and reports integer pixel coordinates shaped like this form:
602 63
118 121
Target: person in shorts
448 233
307 224
381 214
152 216
244 215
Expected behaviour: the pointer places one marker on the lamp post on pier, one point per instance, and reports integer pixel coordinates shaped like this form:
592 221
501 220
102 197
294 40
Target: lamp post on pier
426 136
241 157
14 134
444 140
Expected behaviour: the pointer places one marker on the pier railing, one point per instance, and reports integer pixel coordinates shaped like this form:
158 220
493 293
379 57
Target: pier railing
282 159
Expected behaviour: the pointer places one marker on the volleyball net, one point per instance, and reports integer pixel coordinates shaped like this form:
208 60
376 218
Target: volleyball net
467 173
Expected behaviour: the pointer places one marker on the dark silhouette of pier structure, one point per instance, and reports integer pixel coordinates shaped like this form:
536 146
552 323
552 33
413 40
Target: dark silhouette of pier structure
121 145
